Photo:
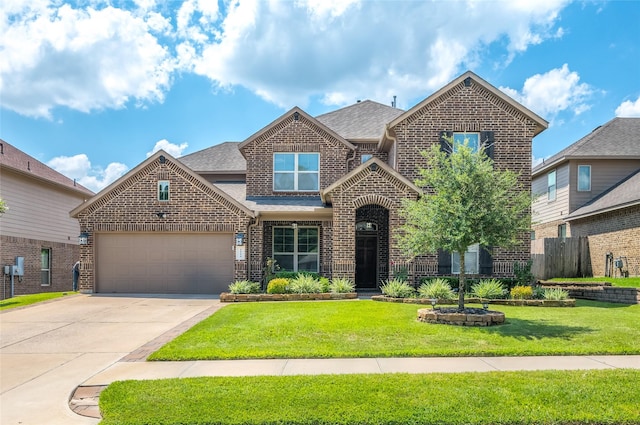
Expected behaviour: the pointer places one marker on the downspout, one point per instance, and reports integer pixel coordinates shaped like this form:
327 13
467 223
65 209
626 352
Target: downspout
388 135
352 158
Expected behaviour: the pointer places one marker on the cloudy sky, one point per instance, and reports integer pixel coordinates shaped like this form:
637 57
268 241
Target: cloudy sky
94 87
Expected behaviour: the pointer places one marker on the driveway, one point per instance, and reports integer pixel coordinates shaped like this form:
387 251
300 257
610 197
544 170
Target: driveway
46 350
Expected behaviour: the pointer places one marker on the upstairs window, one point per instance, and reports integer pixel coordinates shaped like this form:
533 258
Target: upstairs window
163 190
551 186
470 139
296 172
365 157
584 178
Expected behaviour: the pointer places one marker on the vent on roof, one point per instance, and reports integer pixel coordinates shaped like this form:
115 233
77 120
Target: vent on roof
393 102
596 128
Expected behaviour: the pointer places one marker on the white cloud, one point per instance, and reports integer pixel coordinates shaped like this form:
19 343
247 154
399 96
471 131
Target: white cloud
629 108
171 148
553 92
79 167
84 59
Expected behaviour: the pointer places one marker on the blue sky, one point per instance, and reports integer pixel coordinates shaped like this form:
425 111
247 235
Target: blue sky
93 87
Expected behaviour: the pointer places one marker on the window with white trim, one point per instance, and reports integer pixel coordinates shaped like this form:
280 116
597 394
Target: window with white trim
296 248
45 266
163 190
584 178
472 140
471 261
296 172
551 186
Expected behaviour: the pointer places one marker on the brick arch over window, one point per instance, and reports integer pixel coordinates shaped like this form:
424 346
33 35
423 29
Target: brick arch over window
373 199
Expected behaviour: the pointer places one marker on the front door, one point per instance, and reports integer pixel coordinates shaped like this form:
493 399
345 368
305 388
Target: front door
366 261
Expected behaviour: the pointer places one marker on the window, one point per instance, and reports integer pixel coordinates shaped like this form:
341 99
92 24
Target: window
365 157
551 186
296 172
471 260
163 190
562 231
470 139
296 248
584 178
45 266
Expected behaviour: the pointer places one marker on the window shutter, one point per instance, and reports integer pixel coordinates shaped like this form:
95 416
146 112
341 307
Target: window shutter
486 138
444 145
444 262
486 261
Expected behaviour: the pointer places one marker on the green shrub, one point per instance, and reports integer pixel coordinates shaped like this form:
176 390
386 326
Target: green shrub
488 289
325 285
293 275
397 289
556 294
538 292
521 292
305 284
244 287
436 288
279 285
341 286
524 277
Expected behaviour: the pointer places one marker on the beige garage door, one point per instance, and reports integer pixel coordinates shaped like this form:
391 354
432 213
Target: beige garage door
164 263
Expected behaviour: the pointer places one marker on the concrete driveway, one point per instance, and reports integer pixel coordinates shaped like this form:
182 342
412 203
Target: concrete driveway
47 350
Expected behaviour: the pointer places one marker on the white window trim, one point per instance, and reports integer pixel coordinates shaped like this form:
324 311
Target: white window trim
295 252
160 183
473 248
555 185
578 179
45 270
295 171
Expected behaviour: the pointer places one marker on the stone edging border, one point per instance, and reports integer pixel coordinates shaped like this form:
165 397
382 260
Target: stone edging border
226 297
531 303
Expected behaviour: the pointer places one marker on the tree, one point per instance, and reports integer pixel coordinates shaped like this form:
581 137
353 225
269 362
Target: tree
3 206
466 201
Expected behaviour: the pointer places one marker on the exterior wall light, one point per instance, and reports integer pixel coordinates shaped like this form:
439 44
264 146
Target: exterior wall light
83 239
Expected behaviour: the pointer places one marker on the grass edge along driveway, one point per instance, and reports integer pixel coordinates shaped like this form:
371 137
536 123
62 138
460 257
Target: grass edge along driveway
337 329
541 397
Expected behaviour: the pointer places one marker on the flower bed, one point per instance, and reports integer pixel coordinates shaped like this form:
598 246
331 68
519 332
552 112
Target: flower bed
227 297
468 317
538 303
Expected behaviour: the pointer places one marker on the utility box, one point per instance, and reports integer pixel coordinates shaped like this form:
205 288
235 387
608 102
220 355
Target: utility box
617 263
8 270
18 268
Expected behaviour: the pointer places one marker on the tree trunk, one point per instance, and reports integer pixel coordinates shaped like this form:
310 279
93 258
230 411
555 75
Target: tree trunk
461 283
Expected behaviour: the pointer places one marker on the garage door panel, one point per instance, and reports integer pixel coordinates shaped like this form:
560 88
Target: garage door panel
164 263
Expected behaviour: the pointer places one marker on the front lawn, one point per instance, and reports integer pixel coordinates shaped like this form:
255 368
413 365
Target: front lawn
542 397
23 300
630 282
373 329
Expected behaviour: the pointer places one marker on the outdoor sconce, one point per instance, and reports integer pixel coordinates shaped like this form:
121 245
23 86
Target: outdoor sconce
83 239
434 301
161 214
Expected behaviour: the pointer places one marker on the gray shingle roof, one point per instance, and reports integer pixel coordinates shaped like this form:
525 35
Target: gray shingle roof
224 157
271 203
625 193
616 139
364 120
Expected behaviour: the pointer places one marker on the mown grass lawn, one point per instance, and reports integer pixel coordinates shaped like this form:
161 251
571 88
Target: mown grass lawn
629 282
23 300
375 329
543 397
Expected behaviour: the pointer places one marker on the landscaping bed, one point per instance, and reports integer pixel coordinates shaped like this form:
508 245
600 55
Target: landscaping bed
227 297
533 303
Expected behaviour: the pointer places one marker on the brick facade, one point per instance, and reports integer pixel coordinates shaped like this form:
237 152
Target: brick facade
616 232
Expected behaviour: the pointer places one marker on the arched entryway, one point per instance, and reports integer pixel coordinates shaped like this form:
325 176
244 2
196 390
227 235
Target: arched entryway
372 246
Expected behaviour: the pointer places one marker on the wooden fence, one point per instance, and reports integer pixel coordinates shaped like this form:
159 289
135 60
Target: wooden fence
560 257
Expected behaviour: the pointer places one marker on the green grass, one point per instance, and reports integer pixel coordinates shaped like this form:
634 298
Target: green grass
377 329
629 282
541 397
23 300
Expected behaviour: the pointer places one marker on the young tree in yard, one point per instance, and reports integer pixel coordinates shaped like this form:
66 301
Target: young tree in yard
465 202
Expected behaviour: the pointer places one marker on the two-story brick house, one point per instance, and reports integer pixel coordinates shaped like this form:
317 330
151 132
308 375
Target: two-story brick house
319 194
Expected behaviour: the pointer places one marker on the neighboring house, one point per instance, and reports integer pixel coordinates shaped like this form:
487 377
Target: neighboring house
578 192
37 226
320 194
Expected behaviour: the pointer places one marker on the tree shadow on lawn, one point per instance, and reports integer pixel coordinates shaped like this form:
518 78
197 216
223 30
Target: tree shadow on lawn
532 330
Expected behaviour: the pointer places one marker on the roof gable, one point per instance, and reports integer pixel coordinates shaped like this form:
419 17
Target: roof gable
144 168
364 120
295 114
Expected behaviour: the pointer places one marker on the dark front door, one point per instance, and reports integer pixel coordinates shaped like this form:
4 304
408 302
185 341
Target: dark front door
366 261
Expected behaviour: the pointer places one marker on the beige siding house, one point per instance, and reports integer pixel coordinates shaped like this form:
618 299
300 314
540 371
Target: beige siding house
37 225
317 194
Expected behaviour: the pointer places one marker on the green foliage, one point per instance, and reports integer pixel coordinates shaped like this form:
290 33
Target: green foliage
436 288
341 286
278 285
271 268
401 273
244 287
3 206
293 275
488 289
521 292
557 294
305 284
538 292
523 273
24 300
397 289
466 201
325 284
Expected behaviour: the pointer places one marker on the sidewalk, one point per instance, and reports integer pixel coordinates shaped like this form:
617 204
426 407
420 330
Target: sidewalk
84 401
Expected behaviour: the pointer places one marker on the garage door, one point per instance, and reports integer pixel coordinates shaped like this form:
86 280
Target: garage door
164 263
